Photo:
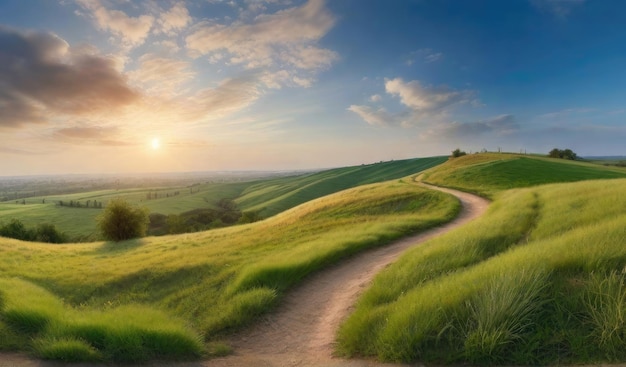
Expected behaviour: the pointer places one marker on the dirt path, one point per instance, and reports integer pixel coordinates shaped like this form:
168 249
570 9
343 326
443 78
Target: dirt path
301 331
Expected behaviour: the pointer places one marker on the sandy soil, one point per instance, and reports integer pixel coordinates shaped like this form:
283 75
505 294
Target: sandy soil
302 329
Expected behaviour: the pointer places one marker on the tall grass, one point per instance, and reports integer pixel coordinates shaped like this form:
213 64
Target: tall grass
162 297
131 333
605 306
530 299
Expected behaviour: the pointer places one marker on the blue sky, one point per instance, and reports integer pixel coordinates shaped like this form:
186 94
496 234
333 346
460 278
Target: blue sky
105 86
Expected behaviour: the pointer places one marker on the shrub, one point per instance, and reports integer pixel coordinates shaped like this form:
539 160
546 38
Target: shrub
120 221
563 154
458 153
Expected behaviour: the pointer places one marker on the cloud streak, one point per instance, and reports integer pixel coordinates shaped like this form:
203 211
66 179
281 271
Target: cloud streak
500 125
424 105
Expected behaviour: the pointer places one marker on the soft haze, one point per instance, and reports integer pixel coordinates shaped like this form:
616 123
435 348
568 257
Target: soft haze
102 86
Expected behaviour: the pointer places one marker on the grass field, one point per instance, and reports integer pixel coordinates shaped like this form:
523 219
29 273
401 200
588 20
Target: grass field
269 197
539 279
167 297
490 173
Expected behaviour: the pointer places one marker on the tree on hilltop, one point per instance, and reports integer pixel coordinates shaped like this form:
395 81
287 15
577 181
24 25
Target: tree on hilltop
563 154
458 153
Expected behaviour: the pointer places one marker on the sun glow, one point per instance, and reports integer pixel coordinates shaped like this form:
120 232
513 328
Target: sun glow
156 143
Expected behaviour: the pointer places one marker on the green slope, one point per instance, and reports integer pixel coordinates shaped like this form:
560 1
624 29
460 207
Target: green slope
158 297
269 197
539 279
274 196
487 174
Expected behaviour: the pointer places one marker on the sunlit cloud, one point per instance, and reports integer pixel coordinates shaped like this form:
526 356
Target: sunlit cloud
425 98
271 40
375 117
162 76
424 105
110 136
133 31
175 19
42 76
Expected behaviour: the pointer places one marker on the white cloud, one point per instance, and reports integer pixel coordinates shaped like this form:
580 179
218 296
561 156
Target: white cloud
425 99
229 96
159 75
424 105
270 41
376 98
132 30
175 19
378 117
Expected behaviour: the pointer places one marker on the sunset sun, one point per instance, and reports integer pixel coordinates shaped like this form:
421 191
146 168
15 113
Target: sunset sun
156 144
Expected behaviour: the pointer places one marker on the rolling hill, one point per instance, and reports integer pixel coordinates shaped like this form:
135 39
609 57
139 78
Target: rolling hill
539 279
268 197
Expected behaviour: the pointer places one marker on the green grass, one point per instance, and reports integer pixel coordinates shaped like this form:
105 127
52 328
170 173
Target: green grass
537 280
269 197
156 297
490 173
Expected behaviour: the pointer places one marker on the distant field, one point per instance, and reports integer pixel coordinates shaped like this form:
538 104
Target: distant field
162 297
537 280
269 197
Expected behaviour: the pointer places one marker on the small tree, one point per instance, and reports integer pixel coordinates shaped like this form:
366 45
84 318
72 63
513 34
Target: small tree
564 154
121 221
457 153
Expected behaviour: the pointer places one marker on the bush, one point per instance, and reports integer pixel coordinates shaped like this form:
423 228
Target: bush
563 154
120 221
458 153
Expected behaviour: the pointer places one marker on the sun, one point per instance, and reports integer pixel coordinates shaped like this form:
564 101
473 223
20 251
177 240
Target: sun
156 144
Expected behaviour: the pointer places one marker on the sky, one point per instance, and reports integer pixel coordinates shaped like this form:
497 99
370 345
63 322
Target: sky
120 86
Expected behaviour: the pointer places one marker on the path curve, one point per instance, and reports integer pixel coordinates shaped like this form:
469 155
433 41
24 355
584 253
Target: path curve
301 331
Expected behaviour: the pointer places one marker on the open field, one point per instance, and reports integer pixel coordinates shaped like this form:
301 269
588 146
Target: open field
539 279
268 197
59 301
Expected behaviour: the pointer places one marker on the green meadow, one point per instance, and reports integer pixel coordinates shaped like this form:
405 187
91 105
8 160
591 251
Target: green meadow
538 279
489 173
267 197
173 297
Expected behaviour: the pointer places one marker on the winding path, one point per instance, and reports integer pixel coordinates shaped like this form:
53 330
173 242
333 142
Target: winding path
301 332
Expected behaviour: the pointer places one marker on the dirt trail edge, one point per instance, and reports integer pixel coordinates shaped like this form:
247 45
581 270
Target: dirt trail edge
301 331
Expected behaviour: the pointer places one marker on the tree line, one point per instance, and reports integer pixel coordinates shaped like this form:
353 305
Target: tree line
77 204
44 232
563 154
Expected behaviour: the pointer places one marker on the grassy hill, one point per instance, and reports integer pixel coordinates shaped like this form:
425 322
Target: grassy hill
490 173
539 279
269 197
164 297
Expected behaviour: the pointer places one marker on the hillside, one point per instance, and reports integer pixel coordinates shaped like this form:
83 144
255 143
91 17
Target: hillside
163 297
268 197
490 173
537 280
